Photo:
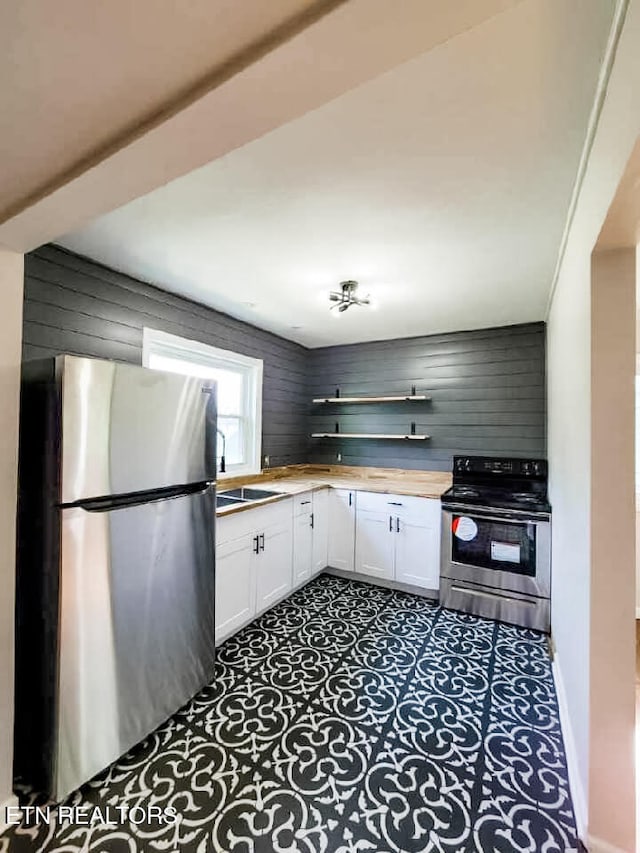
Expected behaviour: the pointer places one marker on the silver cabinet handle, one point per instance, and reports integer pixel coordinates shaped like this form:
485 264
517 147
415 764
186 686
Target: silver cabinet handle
262 541
350 498
312 521
302 503
395 503
397 525
256 545
390 524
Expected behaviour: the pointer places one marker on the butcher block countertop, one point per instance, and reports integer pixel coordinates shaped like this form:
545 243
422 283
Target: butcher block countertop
295 479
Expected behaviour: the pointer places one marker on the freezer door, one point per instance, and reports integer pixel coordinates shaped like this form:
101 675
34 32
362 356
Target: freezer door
129 429
136 626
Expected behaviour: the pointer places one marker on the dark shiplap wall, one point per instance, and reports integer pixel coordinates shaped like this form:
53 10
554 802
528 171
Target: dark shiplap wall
77 306
487 389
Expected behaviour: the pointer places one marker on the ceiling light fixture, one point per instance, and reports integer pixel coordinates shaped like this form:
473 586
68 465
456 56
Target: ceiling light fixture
346 296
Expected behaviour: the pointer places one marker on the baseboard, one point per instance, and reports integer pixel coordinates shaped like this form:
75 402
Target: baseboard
596 845
432 594
575 783
10 803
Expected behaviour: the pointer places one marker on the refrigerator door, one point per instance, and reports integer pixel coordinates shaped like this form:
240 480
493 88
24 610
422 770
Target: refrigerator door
136 625
129 429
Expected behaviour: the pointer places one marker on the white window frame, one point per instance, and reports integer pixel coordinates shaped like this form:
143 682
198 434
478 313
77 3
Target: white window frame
155 342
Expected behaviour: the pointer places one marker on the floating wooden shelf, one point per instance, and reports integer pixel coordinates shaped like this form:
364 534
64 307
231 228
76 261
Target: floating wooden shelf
406 397
368 435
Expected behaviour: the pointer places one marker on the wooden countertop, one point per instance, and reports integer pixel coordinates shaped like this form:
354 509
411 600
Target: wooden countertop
295 479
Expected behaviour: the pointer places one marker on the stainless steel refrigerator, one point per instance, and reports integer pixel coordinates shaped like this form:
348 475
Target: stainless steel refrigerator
116 575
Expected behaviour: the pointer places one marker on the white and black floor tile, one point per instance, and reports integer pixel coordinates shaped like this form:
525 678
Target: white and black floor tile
248 648
249 719
329 633
382 652
359 694
298 668
347 719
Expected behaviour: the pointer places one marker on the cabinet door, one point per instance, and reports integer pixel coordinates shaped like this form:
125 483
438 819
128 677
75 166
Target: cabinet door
342 529
375 539
320 549
302 545
418 553
235 587
273 565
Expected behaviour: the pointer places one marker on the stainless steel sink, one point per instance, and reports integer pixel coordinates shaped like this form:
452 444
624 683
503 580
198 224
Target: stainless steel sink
223 500
248 494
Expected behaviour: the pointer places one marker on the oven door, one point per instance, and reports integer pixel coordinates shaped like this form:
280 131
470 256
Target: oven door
494 550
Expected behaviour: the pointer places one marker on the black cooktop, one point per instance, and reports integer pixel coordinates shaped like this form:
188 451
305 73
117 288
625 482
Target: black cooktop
498 498
499 483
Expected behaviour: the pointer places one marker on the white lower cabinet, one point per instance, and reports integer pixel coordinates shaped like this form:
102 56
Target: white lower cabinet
310 534
254 562
374 544
235 591
320 524
398 538
418 553
302 547
264 552
342 529
273 565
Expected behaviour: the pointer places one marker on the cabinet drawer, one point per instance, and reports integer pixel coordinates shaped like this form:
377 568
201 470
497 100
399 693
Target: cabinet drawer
424 510
302 503
249 520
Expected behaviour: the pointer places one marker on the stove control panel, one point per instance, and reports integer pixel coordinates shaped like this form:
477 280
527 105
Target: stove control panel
536 469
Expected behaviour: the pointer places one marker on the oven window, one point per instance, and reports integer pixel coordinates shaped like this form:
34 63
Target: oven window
505 546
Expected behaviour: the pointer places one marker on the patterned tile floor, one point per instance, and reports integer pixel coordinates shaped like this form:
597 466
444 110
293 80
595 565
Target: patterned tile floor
347 719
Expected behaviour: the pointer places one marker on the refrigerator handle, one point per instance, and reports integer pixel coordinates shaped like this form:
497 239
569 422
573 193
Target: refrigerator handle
114 502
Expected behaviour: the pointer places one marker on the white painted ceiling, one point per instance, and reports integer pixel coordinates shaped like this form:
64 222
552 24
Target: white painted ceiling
78 76
442 186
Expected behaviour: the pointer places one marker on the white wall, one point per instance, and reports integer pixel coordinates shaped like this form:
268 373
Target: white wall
11 287
569 436
569 415
612 650
637 447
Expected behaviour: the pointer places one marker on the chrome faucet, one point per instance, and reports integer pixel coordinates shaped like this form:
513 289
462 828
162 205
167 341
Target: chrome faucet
224 450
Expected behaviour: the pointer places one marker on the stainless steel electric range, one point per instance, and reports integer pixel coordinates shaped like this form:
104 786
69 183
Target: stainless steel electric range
496 540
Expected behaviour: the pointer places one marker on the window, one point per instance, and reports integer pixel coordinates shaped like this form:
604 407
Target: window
239 388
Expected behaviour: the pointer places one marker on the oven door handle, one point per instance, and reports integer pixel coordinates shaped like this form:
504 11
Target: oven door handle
495 596
488 515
